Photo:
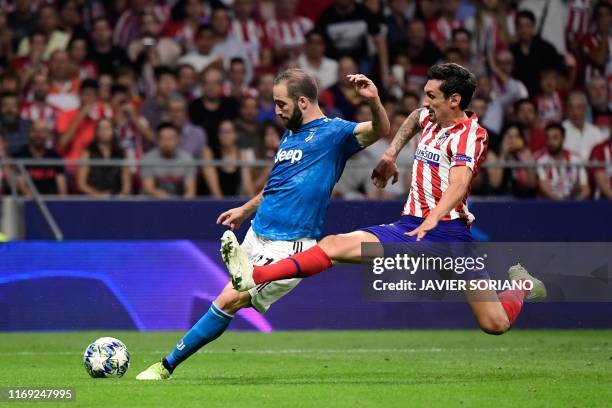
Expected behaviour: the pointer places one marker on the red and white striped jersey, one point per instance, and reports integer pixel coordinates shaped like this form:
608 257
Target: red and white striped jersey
48 113
252 35
578 18
288 33
563 180
439 149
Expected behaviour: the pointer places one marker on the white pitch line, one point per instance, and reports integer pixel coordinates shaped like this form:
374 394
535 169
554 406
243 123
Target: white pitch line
324 351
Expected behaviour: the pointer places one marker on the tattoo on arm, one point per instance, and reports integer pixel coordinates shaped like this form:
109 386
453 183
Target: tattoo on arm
409 128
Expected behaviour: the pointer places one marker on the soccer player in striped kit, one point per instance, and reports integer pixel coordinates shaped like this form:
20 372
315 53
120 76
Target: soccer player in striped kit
451 149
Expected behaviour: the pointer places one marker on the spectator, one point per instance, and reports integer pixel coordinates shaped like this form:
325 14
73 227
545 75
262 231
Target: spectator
549 101
27 65
133 130
155 107
150 47
287 31
184 31
10 83
105 85
419 49
104 181
600 103
226 45
48 23
353 43
505 90
314 62
462 40
342 96
128 26
186 82
108 57
237 85
22 21
209 110
64 89
246 125
396 24
579 135
595 46
481 106
5 170
251 33
267 108
441 27
126 77
602 176
532 55
38 108
16 130
177 178
70 21
271 135
516 181
193 138
78 52
204 54
526 116
76 127
228 180
46 179
560 179
492 27
6 40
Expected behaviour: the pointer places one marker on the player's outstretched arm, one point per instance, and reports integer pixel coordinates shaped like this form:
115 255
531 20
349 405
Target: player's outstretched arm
387 168
234 217
369 132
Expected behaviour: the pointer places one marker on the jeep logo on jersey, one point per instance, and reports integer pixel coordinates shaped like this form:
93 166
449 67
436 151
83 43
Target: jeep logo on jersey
293 155
427 157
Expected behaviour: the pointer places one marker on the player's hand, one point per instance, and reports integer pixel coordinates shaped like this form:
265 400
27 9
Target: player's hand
363 86
423 229
385 169
232 218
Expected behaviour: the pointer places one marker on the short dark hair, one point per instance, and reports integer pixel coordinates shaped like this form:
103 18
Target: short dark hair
461 30
89 84
237 60
203 28
298 83
118 88
528 14
455 80
162 70
312 32
167 125
5 95
555 125
523 101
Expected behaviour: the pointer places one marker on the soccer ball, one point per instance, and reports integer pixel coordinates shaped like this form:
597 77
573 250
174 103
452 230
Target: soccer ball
106 357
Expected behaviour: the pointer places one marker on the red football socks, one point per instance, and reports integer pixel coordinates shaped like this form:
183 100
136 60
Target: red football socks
512 302
300 265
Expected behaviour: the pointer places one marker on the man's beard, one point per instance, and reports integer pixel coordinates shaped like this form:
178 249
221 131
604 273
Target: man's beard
39 96
554 151
295 121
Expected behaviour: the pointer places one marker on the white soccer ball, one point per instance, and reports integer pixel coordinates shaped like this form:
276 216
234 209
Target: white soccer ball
106 357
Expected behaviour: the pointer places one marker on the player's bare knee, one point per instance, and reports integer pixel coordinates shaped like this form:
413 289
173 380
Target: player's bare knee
231 301
495 326
331 246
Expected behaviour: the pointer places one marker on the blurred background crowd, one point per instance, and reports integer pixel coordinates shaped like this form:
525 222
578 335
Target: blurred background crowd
179 81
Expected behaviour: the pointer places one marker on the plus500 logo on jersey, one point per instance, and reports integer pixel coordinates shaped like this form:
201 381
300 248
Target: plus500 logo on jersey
288 155
427 157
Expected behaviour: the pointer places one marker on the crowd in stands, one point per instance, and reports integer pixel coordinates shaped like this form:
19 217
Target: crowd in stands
181 80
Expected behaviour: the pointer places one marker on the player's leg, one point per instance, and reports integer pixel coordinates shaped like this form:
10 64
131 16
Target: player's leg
332 249
496 312
210 326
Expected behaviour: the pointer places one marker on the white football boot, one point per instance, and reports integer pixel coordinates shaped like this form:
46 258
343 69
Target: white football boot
238 266
538 291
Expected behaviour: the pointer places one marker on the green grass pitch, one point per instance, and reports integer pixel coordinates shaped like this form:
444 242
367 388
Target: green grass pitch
447 368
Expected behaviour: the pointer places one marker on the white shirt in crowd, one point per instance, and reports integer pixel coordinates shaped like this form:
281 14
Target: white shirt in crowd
581 142
326 74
